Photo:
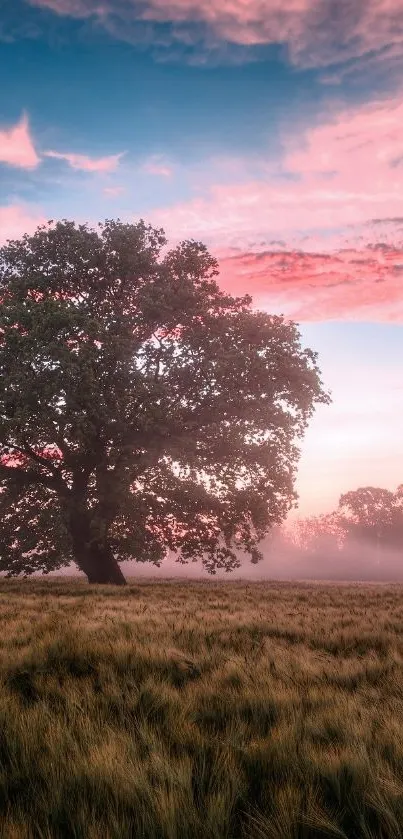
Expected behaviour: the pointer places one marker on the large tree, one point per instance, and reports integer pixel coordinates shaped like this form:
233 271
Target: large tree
141 408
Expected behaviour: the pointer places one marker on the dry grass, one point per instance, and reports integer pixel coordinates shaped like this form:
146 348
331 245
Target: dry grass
174 710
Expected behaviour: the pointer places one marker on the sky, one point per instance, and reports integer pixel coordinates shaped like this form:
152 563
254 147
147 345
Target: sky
272 130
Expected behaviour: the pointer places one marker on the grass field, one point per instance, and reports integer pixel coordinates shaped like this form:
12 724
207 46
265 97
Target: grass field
175 710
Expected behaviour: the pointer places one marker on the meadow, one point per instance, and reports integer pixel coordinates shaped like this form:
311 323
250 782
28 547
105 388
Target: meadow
200 710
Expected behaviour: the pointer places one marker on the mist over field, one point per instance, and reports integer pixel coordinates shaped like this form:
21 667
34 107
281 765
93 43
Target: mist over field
362 563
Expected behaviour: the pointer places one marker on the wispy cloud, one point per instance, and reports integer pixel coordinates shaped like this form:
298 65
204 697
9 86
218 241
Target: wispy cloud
316 32
86 163
113 191
158 166
352 283
17 147
344 171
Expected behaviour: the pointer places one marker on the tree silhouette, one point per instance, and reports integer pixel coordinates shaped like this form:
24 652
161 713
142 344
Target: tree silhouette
374 516
141 409
319 534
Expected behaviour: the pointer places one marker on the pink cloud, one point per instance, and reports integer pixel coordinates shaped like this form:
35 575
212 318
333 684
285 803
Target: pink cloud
346 145
113 191
335 200
15 220
317 32
359 284
73 8
342 172
88 164
157 166
16 146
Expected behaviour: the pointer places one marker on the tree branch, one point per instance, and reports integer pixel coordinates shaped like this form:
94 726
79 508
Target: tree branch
29 476
25 477
43 461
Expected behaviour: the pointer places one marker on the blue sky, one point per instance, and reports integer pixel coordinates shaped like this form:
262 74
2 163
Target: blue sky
270 130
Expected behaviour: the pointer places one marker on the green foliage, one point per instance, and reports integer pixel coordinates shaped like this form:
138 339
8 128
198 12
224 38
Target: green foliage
141 409
200 710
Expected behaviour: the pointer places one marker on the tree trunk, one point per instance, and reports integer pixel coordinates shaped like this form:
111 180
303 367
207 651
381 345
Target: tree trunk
100 566
93 556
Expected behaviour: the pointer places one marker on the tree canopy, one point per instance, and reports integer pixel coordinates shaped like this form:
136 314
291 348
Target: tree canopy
142 409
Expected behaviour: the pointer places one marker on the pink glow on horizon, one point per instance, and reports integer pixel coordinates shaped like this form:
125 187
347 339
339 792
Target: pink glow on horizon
17 147
356 441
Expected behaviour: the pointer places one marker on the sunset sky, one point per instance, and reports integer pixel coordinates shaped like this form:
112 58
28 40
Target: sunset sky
272 130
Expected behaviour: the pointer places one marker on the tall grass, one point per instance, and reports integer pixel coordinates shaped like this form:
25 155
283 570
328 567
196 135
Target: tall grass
190 710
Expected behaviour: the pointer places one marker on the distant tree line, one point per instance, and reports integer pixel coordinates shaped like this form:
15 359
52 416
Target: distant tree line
369 515
365 532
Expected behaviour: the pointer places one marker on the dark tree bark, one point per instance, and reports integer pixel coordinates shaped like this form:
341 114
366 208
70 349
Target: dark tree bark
100 565
93 556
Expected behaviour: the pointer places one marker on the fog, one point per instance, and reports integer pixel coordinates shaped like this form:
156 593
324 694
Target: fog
283 561
286 562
